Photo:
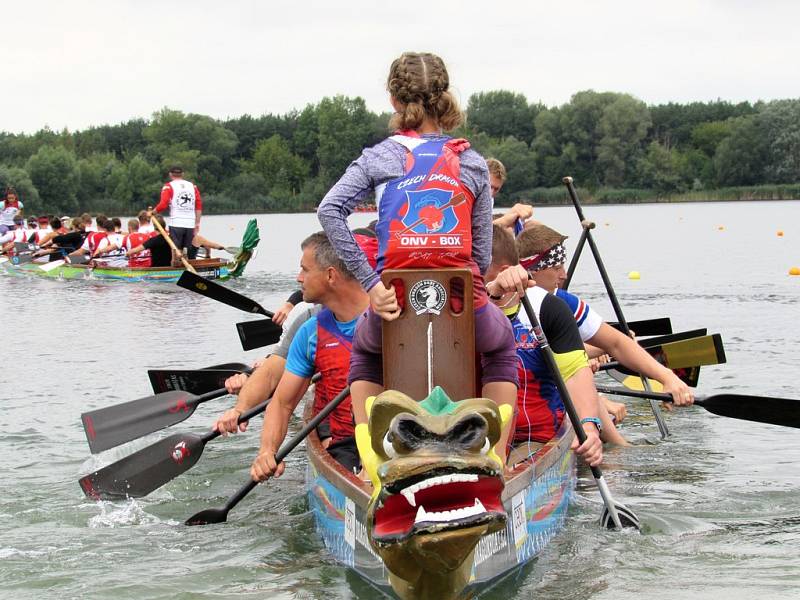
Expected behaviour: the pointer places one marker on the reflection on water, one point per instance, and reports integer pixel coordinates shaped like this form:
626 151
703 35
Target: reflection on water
718 500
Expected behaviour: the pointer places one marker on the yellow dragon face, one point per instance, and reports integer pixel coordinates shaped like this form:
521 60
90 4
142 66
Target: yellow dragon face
437 480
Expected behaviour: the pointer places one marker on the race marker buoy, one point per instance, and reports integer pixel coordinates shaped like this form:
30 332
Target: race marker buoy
634 275
780 233
794 271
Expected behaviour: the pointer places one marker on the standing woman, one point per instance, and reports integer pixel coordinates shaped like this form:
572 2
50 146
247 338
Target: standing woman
426 184
10 207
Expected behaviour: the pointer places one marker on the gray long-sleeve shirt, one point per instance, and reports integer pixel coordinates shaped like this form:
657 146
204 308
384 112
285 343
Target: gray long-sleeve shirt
380 164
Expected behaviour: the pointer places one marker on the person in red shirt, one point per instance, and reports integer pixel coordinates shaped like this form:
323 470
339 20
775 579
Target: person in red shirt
185 209
132 240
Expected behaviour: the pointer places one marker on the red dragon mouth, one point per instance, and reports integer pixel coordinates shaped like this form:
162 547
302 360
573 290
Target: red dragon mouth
438 502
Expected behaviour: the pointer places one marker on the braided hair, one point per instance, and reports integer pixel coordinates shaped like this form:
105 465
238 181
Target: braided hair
420 83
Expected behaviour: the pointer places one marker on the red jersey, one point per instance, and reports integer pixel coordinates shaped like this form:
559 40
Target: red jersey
132 240
332 361
425 216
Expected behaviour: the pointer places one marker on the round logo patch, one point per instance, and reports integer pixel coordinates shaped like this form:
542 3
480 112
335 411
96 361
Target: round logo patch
427 296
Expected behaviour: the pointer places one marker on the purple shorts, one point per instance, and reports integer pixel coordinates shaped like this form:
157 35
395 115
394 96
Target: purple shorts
494 341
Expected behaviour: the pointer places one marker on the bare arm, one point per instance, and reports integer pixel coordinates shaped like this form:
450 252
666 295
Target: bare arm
633 356
258 387
276 422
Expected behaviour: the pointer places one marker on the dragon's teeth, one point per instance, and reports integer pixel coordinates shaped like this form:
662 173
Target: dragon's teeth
421 515
408 493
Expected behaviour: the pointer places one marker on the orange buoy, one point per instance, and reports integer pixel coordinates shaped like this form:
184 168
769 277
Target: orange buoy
780 233
794 271
721 227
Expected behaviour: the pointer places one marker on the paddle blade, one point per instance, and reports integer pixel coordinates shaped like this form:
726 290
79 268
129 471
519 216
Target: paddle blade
114 425
661 326
672 337
761 409
626 517
215 291
208 517
706 350
142 472
194 381
689 375
257 334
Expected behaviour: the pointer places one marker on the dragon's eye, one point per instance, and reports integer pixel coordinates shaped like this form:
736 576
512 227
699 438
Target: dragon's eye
388 449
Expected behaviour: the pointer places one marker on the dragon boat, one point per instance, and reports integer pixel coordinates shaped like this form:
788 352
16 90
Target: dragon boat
210 268
441 517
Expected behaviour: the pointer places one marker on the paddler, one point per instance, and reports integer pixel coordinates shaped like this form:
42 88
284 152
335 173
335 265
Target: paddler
540 409
322 345
161 254
543 254
10 207
185 205
417 169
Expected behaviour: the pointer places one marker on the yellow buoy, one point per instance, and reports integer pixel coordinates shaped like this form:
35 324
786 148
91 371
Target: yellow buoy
780 233
721 227
794 271
634 275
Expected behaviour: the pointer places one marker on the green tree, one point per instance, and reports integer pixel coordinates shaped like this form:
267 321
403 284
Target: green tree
277 165
520 164
502 114
741 158
54 172
345 128
93 171
623 126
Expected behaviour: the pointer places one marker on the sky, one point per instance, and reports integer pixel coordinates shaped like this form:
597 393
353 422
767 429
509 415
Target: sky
80 63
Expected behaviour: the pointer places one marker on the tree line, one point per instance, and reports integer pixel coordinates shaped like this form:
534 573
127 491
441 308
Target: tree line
614 145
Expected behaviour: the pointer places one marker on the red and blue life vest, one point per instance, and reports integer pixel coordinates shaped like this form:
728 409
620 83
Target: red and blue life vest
539 406
332 361
425 216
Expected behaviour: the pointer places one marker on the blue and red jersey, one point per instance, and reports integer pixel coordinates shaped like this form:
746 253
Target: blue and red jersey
323 345
425 216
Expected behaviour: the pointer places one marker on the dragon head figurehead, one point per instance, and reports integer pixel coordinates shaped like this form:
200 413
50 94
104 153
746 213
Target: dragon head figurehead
437 486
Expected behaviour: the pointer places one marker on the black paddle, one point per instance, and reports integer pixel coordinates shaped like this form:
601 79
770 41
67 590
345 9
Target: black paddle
215 291
194 381
258 333
688 375
114 425
672 337
220 515
660 326
662 426
615 515
761 409
148 469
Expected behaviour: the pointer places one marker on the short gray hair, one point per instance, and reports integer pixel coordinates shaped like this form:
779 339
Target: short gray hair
324 253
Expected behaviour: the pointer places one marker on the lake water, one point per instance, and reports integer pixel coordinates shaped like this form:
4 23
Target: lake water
719 500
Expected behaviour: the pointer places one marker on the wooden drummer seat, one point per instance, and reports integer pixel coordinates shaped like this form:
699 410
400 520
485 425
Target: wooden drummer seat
449 322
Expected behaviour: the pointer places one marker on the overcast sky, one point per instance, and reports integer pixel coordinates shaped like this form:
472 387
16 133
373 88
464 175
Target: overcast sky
76 63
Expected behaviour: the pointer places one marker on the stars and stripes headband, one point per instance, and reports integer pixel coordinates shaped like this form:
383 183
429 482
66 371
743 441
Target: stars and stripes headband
554 256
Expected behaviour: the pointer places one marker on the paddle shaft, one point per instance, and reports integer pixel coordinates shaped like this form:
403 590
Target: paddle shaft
547 352
289 446
575 256
210 289
165 235
612 296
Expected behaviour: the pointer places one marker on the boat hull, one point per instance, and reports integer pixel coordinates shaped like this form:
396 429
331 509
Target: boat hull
210 269
536 498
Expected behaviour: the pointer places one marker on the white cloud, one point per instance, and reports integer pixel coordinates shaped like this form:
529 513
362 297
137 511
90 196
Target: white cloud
80 63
